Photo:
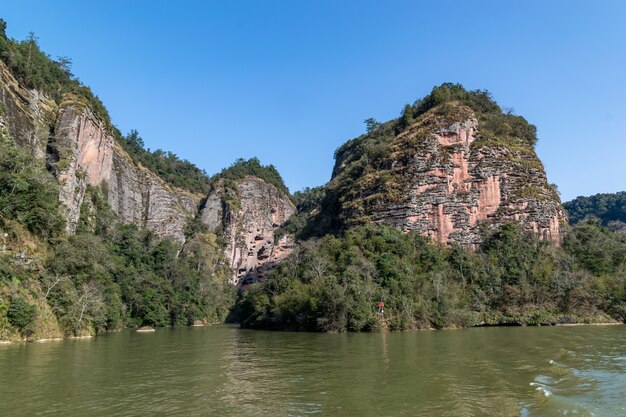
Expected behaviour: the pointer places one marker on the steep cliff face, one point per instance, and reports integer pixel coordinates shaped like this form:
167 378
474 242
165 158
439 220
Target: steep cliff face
140 197
80 151
247 215
442 176
87 155
25 115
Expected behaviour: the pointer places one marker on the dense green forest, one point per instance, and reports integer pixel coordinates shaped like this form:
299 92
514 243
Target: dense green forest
609 208
334 283
178 172
104 277
242 168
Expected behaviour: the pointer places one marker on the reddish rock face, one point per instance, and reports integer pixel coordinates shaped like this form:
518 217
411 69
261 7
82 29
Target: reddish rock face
85 153
88 155
445 181
248 225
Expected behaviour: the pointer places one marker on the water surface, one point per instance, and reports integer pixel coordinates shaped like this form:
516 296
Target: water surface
226 371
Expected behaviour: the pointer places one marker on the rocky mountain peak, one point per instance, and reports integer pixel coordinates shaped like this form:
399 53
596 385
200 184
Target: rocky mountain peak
452 167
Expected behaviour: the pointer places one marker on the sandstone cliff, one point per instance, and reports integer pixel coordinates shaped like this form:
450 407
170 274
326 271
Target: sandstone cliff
25 115
449 172
81 151
247 212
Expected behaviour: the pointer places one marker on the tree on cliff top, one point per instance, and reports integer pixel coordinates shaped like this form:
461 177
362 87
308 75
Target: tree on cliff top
252 167
180 173
36 69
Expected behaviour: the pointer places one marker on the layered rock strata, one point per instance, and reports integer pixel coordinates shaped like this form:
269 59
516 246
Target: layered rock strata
247 217
81 152
443 179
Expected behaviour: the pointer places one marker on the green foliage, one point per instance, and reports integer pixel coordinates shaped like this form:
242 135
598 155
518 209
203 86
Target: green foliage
609 208
478 100
137 280
599 250
21 315
494 122
242 168
36 69
371 124
108 276
179 172
335 283
28 193
308 203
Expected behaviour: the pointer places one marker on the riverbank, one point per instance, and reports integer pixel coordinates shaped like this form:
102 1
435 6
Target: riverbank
385 329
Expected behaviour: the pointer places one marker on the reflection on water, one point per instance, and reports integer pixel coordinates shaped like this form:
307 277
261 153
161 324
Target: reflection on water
226 371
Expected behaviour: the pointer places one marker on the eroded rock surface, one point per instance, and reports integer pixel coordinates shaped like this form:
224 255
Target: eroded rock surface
25 115
444 180
81 152
88 155
140 197
248 220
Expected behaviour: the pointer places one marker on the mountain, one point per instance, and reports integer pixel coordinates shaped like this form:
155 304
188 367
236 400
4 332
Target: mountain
609 208
453 167
446 216
247 203
99 233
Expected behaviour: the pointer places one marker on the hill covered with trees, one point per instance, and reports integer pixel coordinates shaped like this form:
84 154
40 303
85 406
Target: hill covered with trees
106 276
610 209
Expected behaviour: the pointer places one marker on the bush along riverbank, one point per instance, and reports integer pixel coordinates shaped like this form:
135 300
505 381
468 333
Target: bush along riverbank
335 283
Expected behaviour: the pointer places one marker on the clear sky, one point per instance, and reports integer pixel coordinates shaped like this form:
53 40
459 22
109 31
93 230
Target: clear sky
290 81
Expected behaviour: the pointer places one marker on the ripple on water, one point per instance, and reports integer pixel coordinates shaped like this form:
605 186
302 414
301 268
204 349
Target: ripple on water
225 371
586 384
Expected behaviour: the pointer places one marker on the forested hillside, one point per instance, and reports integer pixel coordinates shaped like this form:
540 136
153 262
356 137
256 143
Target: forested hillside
335 283
609 208
106 275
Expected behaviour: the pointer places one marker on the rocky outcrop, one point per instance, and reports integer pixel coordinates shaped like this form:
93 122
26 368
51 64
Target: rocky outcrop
140 197
88 155
80 151
25 115
442 178
248 216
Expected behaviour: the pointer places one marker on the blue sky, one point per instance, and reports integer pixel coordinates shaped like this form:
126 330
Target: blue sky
290 81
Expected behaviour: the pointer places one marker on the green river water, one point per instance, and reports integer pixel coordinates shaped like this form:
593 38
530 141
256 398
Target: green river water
226 371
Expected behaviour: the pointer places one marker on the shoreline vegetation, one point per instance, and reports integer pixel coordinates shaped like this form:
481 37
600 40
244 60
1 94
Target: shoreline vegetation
62 339
514 278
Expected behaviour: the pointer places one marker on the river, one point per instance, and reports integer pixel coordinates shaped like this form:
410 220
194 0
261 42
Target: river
226 371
